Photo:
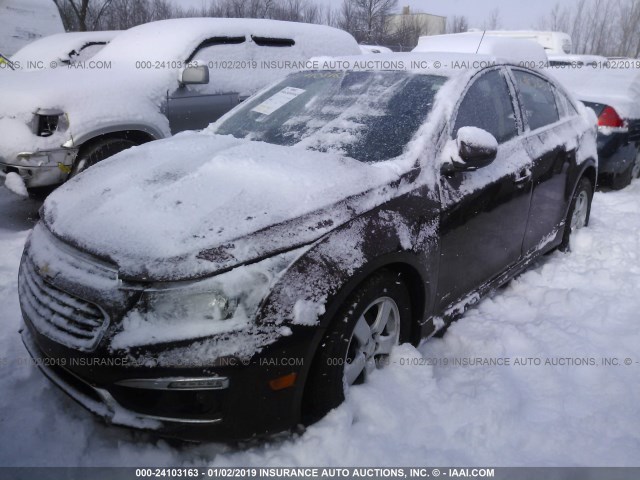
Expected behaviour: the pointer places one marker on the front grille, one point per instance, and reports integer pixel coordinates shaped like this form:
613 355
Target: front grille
62 317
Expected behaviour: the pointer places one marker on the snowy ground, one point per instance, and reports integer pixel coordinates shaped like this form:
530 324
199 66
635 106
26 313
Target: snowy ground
585 304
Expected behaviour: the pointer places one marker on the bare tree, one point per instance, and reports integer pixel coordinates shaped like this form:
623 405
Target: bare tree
457 24
84 14
493 22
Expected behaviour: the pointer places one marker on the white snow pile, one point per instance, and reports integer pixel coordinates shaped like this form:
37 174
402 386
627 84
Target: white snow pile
568 312
23 21
14 182
619 88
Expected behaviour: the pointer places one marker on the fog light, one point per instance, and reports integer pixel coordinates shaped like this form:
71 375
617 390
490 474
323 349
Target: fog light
283 382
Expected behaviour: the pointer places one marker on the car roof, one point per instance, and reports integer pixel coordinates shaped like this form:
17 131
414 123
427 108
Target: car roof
176 39
514 50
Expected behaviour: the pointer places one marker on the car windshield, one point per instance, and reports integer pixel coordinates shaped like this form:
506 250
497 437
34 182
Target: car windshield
368 116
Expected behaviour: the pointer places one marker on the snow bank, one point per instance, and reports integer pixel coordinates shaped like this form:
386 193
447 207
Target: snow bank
24 21
418 411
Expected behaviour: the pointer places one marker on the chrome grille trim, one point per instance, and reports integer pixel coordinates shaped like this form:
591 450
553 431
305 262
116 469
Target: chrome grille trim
64 318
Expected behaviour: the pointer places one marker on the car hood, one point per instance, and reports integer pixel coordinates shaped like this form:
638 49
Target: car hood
199 203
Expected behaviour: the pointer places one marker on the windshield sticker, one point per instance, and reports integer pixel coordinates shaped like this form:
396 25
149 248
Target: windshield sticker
278 100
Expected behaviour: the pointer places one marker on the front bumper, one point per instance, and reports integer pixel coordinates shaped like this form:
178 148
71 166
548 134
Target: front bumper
241 405
42 168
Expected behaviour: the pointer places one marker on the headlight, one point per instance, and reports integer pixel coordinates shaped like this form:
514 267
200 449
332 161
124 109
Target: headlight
183 306
190 310
47 122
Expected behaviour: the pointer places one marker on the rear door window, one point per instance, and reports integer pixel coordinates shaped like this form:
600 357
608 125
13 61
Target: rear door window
537 98
488 105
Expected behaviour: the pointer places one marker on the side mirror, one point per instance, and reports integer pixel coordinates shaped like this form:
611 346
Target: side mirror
194 75
477 148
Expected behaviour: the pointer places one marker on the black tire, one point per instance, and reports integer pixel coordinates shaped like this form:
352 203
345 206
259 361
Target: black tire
95 152
584 188
325 387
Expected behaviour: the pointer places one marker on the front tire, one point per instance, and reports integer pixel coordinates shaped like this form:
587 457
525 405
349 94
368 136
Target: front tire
373 319
579 212
98 151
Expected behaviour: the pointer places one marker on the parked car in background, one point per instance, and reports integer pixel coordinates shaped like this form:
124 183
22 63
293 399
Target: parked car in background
369 49
150 82
238 279
554 43
614 95
526 52
62 49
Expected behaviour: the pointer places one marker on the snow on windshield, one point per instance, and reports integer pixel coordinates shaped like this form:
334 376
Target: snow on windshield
368 116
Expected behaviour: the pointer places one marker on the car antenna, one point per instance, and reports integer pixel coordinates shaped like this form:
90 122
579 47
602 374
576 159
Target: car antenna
481 39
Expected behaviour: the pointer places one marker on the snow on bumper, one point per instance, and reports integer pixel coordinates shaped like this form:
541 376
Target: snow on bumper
41 168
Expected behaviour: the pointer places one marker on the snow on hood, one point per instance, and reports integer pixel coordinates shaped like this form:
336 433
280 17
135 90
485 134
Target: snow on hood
198 203
619 88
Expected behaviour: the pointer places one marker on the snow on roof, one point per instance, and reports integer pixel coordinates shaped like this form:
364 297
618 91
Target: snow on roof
507 49
59 46
23 21
176 39
619 88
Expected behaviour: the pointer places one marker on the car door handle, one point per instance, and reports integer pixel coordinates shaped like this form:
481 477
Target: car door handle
523 177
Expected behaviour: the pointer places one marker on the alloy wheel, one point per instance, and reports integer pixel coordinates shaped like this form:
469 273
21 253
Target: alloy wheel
376 332
579 217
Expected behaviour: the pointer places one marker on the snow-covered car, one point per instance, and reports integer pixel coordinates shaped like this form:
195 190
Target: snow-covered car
235 281
150 81
554 43
61 50
614 95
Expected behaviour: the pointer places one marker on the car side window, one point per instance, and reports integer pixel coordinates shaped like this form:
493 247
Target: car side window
213 48
537 98
488 105
564 104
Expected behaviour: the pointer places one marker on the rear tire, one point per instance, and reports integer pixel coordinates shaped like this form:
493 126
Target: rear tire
373 319
579 212
98 151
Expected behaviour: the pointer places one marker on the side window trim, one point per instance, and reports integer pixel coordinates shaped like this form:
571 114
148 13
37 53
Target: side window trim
213 41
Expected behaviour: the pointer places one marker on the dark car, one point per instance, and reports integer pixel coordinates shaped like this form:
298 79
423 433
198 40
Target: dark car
236 281
618 146
612 90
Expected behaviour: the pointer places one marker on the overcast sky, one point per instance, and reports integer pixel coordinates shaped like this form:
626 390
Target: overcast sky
513 13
